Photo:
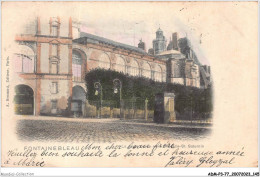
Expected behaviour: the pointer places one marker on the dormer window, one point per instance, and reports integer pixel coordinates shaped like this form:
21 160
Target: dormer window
54 26
54 30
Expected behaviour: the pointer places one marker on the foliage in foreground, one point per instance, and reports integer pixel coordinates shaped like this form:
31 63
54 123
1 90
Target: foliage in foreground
186 98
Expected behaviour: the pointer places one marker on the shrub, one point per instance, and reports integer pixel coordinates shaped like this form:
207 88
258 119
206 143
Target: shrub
186 98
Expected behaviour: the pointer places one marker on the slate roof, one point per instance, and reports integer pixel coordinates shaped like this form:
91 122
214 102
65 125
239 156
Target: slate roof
85 36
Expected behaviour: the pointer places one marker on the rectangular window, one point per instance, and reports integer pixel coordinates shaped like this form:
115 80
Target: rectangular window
54 68
54 50
54 30
54 87
53 104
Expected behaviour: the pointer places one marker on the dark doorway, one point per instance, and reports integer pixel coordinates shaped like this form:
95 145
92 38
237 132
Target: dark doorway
78 101
23 99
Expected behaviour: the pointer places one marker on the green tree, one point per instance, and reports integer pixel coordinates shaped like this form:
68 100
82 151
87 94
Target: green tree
186 98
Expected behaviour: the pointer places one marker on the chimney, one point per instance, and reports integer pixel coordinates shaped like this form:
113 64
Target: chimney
151 51
141 45
175 41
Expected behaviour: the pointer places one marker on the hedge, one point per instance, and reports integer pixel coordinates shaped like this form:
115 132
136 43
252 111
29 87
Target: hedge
186 98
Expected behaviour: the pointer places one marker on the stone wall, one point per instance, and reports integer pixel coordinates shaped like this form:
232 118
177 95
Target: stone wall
48 97
121 62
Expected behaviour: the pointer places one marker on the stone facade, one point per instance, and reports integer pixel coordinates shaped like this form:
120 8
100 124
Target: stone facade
108 54
181 69
52 64
50 41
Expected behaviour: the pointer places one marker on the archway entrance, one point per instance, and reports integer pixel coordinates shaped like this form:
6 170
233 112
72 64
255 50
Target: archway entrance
78 101
23 99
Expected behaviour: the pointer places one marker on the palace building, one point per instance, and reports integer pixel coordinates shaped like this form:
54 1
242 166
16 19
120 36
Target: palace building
51 60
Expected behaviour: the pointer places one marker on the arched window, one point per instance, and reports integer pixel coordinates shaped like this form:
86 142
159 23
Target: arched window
134 71
24 63
76 65
146 70
158 73
104 61
120 65
24 59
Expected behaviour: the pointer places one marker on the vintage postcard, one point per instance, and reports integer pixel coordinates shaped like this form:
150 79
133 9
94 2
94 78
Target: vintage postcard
129 84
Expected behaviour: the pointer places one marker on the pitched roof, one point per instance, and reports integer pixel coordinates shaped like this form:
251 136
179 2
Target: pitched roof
85 36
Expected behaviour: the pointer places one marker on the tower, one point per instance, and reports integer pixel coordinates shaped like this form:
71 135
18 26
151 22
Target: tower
159 44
